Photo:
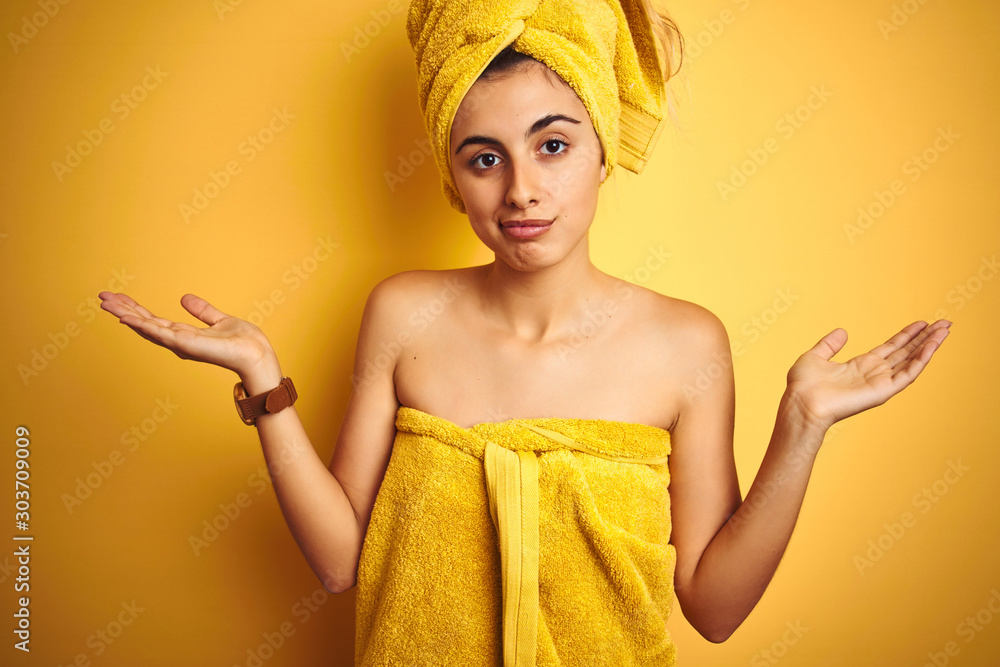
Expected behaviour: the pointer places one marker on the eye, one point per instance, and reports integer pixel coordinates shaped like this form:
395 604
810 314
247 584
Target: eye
554 146
485 161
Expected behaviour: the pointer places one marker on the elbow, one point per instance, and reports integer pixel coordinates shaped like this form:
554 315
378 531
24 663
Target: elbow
341 582
338 574
716 634
711 623
715 627
338 585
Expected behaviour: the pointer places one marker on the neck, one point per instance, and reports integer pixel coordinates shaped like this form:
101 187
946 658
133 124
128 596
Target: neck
544 303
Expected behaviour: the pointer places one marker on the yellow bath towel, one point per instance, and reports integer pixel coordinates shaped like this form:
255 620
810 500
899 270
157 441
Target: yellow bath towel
604 49
524 542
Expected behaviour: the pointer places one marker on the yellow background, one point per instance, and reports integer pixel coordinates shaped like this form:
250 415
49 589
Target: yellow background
355 120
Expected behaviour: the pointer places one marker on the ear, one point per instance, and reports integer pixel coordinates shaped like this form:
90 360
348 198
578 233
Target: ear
604 173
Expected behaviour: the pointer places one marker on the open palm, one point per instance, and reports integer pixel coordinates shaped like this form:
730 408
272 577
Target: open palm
228 341
829 391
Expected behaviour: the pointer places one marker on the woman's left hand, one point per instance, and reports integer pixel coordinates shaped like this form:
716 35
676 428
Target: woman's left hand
826 391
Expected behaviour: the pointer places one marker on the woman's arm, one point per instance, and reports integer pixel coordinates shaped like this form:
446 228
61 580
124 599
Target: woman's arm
727 550
327 510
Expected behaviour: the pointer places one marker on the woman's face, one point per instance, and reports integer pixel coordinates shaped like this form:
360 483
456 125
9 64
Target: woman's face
528 164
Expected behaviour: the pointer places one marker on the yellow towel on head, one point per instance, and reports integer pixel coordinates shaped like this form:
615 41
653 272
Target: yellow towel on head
604 49
525 542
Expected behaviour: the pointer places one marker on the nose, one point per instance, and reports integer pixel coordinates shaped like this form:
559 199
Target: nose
524 184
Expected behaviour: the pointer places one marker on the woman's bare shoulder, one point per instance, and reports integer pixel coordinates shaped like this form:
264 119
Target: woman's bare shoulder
408 292
668 343
683 321
425 282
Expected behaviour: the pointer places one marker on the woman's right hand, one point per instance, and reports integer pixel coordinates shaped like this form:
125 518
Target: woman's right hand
228 341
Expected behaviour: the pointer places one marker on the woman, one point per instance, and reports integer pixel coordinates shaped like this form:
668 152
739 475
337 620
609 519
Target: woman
523 150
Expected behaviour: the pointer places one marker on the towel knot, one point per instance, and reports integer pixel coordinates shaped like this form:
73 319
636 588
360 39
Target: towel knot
512 487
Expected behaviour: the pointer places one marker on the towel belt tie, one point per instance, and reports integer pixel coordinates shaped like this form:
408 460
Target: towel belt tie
512 485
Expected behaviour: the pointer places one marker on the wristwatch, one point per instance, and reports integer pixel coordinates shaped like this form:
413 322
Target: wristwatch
269 402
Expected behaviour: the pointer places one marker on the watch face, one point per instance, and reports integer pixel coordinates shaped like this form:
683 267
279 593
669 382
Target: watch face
239 393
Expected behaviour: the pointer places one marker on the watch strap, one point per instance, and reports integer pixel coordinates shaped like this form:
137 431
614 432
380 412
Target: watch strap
268 402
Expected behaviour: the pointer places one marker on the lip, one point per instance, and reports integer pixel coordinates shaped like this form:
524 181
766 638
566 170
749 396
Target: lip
525 229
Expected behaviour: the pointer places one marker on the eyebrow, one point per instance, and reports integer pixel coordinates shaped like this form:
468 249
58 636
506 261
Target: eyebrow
537 126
